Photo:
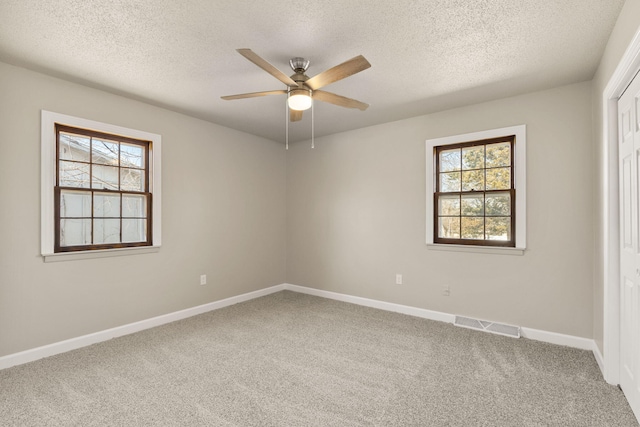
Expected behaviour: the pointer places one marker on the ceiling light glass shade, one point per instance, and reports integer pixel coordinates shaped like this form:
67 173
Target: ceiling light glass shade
299 99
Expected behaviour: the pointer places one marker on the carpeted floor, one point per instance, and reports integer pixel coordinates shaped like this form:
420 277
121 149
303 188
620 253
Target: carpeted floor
290 359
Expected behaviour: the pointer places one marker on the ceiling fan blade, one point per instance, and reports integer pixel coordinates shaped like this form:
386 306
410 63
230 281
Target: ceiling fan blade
295 115
253 94
251 56
339 72
339 100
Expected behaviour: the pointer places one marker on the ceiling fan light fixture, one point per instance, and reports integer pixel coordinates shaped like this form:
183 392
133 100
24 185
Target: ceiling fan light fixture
299 99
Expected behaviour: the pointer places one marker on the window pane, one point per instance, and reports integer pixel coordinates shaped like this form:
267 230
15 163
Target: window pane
106 231
74 147
73 174
473 180
75 232
498 155
499 179
472 205
449 181
75 203
105 177
473 157
498 204
449 205
134 230
449 227
131 156
106 205
472 228
450 160
498 228
132 180
134 206
105 152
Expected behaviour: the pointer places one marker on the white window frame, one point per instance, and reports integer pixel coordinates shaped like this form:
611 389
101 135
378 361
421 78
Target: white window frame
48 179
520 185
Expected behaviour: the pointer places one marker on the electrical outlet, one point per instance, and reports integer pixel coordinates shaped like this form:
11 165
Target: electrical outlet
398 279
203 279
446 290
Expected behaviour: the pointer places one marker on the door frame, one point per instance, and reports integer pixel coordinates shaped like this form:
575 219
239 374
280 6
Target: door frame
627 68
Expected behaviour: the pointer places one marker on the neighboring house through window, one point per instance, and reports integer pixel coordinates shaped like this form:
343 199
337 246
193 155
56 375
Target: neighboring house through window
475 185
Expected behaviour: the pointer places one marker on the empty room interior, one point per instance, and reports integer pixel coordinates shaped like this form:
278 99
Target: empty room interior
183 244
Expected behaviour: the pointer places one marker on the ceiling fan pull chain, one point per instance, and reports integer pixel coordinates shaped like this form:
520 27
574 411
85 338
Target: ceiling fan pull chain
312 125
286 124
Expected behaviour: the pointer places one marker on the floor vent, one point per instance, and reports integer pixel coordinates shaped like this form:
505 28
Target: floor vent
484 325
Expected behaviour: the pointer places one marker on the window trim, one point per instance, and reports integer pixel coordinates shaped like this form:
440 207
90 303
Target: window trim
519 179
48 180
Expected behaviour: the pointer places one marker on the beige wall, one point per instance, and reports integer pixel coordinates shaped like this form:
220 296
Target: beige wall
223 214
626 27
356 206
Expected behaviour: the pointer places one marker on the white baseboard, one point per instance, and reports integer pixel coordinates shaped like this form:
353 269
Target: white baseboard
599 359
85 340
382 305
533 334
556 338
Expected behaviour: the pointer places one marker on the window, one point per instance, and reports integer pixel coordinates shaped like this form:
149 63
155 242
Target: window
474 194
102 196
475 189
100 189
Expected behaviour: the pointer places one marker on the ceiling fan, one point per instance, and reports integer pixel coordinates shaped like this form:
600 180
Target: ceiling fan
301 89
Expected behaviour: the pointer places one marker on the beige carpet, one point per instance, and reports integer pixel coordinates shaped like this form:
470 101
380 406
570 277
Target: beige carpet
290 359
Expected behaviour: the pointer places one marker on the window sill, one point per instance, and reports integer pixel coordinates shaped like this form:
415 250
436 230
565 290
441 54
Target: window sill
102 253
476 249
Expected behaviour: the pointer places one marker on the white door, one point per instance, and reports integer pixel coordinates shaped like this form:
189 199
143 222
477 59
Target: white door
629 158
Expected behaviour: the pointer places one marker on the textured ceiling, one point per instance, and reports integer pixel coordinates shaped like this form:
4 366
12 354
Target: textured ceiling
426 55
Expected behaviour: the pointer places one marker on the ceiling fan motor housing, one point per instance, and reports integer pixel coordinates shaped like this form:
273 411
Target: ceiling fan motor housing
299 65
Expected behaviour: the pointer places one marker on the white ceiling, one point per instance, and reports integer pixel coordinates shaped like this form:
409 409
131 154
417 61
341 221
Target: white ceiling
426 55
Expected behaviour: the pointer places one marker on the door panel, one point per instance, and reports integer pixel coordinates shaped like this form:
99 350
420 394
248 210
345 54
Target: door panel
627 322
627 232
629 163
